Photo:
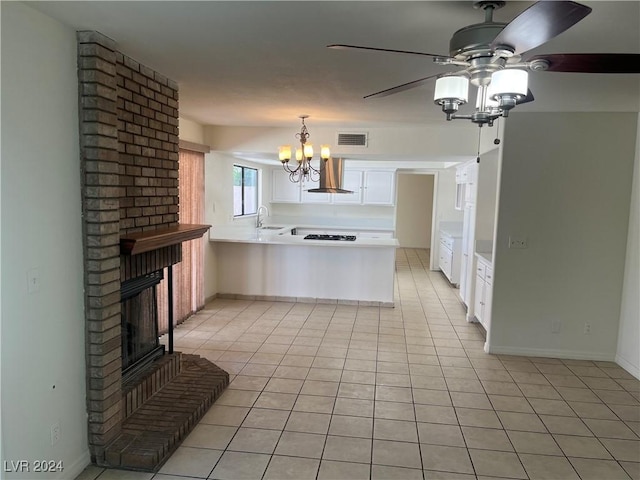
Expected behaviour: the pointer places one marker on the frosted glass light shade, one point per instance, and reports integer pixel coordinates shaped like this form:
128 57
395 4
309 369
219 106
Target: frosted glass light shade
452 88
284 153
308 150
299 154
325 152
508 82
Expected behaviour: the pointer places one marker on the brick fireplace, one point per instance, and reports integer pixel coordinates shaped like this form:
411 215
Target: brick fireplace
129 151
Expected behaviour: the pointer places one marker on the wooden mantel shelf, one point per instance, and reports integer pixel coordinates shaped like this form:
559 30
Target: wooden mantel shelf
140 242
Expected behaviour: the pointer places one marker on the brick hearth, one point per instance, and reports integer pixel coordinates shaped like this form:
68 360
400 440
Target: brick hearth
152 432
129 152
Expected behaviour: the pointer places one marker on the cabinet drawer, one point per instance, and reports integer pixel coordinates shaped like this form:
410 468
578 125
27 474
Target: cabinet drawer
446 241
446 260
481 270
446 256
488 275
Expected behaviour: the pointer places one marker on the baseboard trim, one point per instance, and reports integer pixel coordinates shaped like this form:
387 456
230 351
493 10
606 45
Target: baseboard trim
550 353
328 301
211 298
629 367
75 468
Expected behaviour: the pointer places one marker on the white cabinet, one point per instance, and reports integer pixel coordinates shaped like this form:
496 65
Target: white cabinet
468 175
314 197
466 184
309 184
369 187
282 189
459 205
460 187
450 253
483 292
467 258
471 185
351 180
379 187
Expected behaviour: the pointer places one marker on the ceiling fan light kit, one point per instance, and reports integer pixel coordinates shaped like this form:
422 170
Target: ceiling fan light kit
304 154
490 57
494 100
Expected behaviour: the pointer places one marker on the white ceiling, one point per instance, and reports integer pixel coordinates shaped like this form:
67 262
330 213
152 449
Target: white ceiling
263 63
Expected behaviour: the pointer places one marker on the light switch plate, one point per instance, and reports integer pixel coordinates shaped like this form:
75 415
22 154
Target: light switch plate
518 242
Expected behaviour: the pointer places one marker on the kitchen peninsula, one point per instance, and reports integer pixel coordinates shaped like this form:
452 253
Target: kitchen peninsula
278 263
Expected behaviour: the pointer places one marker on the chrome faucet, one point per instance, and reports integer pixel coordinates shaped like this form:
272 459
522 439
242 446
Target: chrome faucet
258 218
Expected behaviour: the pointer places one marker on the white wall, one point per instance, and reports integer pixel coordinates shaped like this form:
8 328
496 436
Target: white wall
190 131
414 210
365 216
447 141
565 185
218 200
628 353
42 333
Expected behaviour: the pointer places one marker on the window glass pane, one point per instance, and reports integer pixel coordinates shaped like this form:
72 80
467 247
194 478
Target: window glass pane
237 176
245 191
250 191
237 190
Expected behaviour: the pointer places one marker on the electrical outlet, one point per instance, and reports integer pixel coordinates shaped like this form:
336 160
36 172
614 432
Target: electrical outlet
556 326
587 329
55 433
33 280
518 242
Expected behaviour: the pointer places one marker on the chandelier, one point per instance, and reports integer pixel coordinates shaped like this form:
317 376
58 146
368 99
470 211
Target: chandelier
303 172
499 91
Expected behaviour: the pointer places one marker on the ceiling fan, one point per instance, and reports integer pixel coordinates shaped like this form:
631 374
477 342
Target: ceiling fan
489 55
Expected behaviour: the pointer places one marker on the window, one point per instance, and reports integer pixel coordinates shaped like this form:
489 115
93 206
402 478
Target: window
245 191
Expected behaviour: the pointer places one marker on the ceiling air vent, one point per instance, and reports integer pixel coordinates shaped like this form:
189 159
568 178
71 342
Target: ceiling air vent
352 139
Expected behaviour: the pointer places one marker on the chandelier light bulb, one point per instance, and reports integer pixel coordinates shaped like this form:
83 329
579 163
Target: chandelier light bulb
284 153
308 151
299 154
325 152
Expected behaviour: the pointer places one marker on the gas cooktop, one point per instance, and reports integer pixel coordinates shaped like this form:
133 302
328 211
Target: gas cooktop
342 238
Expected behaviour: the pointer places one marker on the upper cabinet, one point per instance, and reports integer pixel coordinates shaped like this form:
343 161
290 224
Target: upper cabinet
369 187
351 180
379 187
466 184
314 197
284 190
307 185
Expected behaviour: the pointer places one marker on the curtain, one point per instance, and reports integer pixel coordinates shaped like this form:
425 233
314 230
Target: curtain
188 275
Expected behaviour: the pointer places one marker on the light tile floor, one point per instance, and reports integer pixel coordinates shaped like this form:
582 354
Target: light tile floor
347 392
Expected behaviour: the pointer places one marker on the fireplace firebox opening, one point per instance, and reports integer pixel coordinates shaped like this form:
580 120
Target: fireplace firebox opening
139 321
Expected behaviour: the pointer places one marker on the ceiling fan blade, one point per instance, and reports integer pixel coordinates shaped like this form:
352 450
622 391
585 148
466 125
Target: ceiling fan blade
402 88
527 99
340 46
591 62
540 23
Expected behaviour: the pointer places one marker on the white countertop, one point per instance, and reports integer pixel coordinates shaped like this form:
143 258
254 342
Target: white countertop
487 257
282 236
452 229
